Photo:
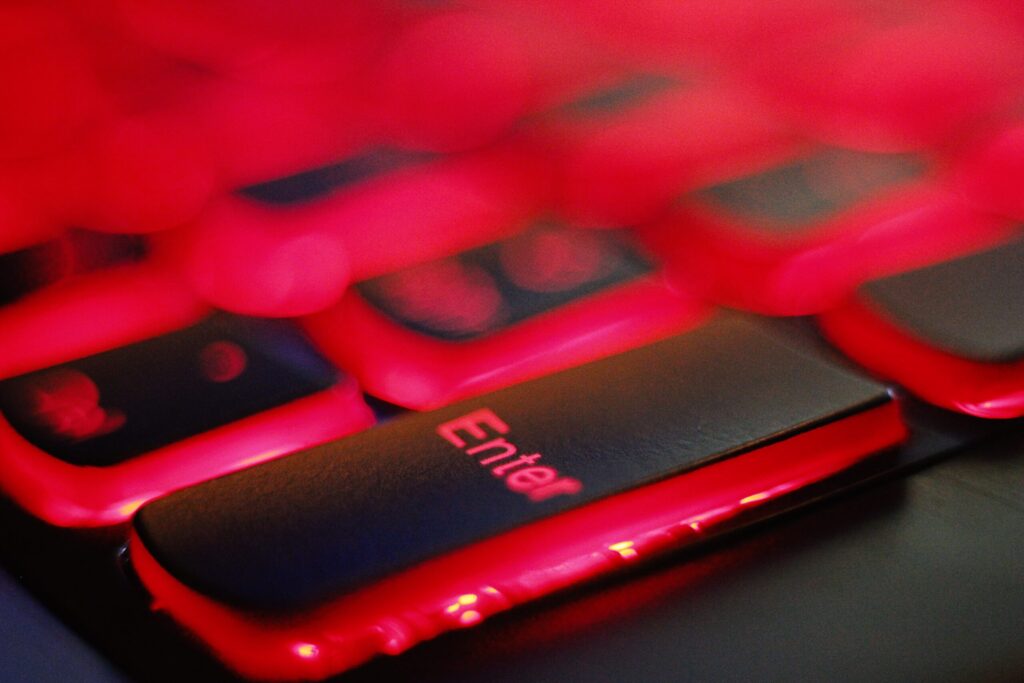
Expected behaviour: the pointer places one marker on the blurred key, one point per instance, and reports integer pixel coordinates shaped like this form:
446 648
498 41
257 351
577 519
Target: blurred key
549 298
991 173
93 313
256 132
708 32
623 151
133 178
902 78
312 564
50 95
89 434
462 78
382 211
312 41
952 333
73 253
800 234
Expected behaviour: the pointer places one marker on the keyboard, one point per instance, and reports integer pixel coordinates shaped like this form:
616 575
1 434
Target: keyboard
341 340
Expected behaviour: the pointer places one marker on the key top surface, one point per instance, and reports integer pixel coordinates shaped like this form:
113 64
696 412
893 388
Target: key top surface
327 521
971 307
108 408
549 298
793 197
75 252
951 333
485 289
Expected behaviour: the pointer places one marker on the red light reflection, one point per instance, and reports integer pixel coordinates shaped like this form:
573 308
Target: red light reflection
67 403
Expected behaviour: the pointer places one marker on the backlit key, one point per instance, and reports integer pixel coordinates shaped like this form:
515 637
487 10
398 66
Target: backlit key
383 210
625 150
94 422
310 42
992 172
549 298
73 253
459 79
51 96
798 235
900 77
312 564
952 333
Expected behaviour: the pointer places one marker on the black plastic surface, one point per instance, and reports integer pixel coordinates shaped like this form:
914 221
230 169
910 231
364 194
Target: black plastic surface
972 307
484 290
323 522
798 195
310 185
107 408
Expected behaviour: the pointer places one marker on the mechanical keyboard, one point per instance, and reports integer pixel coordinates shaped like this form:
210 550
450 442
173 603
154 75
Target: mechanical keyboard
331 330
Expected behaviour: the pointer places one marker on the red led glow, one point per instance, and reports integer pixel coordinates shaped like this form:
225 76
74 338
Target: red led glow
93 313
69 495
991 390
810 270
628 167
115 308
273 261
548 260
458 79
67 403
416 371
990 175
876 83
222 361
446 294
466 586
54 99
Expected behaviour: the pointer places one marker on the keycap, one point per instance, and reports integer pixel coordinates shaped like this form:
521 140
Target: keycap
798 235
660 32
314 563
625 149
95 313
549 298
460 78
257 132
952 333
50 94
93 422
23 226
384 211
897 78
158 168
312 42
991 171
73 253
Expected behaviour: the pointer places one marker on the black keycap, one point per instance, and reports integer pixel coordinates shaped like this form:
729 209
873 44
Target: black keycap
76 251
484 290
972 307
801 194
315 184
327 521
107 408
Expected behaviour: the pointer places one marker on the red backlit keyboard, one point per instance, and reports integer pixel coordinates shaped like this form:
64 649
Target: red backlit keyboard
329 329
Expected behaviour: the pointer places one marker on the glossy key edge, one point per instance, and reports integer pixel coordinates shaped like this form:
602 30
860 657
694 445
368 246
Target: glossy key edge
115 308
420 372
988 390
70 495
464 587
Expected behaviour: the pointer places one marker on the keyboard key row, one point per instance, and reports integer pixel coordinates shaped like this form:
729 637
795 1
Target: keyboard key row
309 565
952 333
123 387
548 299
